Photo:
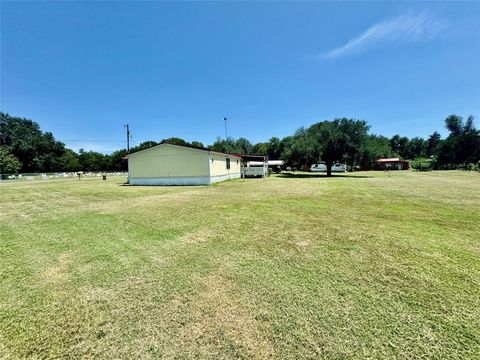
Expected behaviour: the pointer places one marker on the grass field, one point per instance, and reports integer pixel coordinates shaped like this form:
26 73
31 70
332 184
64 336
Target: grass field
365 265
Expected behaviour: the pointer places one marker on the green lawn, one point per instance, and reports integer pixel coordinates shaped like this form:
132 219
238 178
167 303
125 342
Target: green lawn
369 265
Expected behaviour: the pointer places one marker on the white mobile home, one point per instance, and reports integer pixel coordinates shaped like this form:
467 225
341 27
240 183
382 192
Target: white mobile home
170 164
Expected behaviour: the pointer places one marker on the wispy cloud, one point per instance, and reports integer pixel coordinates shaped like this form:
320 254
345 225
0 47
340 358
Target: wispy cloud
403 29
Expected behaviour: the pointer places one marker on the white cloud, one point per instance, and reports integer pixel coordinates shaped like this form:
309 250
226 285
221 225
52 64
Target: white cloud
404 29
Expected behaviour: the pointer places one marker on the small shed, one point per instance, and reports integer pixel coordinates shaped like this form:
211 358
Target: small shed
171 164
392 164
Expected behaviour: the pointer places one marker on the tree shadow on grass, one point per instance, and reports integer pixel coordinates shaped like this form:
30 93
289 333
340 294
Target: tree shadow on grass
322 176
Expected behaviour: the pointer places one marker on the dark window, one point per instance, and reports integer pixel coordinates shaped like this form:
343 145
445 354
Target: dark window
228 164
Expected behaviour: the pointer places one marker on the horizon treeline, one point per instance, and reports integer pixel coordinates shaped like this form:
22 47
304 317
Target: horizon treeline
25 148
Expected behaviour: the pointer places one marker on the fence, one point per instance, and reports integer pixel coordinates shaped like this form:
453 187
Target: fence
36 177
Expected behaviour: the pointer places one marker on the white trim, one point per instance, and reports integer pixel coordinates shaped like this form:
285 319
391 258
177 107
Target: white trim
209 168
128 164
190 180
219 178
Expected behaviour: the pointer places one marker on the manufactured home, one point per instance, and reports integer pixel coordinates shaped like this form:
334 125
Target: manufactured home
171 164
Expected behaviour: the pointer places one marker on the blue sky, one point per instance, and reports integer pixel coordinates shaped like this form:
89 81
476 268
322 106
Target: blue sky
83 69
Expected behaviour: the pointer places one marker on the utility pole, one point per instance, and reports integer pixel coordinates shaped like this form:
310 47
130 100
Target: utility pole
128 137
226 135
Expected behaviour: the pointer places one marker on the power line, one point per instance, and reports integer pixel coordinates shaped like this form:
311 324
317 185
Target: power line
95 140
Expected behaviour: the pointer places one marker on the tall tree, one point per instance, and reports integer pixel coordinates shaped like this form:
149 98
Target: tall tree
275 148
9 164
37 151
287 143
260 148
462 146
243 145
175 140
338 140
433 143
301 150
198 144
417 147
373 148
454 124
68 161
227 146
93 161
144 145
400 146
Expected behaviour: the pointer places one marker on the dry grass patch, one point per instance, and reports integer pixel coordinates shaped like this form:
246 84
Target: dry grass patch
199 236
221 326
57 273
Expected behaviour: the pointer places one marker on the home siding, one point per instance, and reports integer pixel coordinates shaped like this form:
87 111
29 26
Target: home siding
218 167
169 165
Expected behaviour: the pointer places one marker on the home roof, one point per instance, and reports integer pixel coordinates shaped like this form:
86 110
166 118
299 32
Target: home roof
185 146
246 157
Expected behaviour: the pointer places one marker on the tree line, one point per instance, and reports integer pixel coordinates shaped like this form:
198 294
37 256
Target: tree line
25 148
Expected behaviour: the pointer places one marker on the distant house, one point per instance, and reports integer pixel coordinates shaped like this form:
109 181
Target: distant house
170 164
392 164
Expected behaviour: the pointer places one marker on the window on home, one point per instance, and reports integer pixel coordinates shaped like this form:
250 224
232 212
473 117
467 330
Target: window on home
228 164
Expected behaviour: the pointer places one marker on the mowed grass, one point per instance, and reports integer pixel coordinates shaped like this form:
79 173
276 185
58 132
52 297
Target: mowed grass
369 265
